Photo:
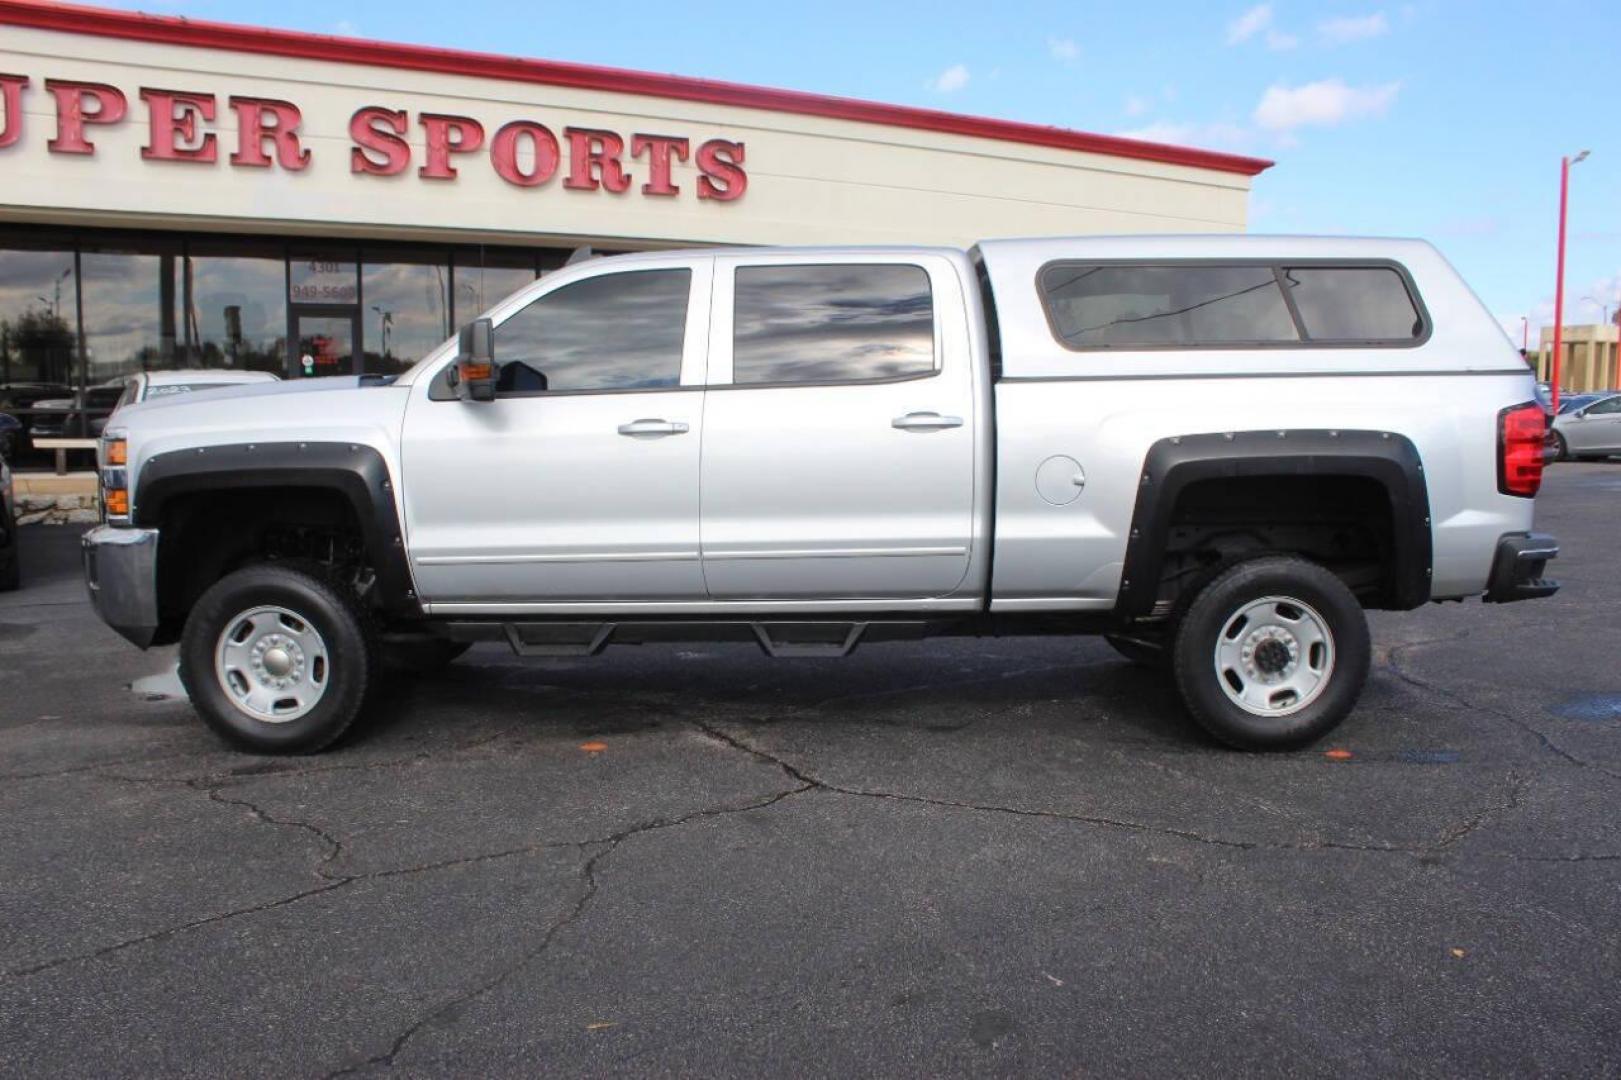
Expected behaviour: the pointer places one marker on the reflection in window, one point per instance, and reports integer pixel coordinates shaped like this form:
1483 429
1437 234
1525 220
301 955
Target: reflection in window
621 331
818 324
407 312
323 277
237 309
129 312
1367 303
38 327
1127 306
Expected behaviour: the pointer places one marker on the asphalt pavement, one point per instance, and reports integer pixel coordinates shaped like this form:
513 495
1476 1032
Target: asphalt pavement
996 857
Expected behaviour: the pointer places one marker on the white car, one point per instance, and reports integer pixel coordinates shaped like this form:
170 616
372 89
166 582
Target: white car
149 385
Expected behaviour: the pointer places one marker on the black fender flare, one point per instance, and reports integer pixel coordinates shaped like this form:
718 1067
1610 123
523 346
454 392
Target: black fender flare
356 472
1172 464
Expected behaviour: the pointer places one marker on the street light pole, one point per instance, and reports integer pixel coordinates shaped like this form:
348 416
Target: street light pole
1559 279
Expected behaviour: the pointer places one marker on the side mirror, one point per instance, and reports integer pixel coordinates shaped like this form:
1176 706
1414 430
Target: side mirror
1581 414
473 374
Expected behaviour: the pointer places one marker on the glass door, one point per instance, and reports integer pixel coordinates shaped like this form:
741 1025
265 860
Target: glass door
326 341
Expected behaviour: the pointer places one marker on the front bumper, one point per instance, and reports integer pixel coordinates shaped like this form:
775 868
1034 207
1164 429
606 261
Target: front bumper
121 572
1518 567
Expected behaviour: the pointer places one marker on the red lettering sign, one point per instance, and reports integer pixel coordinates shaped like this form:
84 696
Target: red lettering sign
175 117
523 153
447 135
659 148
71 117
543 152
721 163
378 131
259 119
593 158
11 98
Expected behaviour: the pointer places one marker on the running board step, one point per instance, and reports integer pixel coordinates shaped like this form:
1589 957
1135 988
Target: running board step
785 639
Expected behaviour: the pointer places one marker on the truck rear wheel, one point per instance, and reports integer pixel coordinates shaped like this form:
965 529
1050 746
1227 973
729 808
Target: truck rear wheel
277 659
1272 654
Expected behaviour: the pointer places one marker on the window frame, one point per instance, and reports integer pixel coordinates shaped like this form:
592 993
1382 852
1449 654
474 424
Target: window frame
725 319
1277 266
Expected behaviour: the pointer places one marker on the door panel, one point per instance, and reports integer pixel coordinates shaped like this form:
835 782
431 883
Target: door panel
580 482
847 490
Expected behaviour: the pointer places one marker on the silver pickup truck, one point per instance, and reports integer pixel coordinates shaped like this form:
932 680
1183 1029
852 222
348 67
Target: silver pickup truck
1216 451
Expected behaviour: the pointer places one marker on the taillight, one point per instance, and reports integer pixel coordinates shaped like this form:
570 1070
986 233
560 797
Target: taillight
1521 431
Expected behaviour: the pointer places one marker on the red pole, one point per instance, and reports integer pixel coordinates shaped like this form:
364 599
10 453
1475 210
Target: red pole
1559 288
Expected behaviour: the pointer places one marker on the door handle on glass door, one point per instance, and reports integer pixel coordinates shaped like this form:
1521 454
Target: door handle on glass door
653 427
925 421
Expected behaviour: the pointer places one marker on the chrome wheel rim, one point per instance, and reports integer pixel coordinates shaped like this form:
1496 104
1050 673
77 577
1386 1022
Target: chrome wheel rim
1274 656
272 664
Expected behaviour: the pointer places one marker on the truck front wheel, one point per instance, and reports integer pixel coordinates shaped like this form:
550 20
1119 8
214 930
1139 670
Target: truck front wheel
1272 654
278 659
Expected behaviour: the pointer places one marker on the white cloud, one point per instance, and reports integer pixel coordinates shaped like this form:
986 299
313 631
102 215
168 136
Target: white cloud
346 28
1218 135
1063 48
1321 104
950 80
1136 106
1249 24
1351 28
1258 20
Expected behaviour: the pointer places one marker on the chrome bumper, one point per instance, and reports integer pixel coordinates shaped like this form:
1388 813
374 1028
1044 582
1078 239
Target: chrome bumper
121 572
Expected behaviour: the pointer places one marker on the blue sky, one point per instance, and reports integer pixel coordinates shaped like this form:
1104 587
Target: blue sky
1440 118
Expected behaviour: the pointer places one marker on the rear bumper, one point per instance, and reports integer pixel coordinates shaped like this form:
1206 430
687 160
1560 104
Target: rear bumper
121 572
1518 567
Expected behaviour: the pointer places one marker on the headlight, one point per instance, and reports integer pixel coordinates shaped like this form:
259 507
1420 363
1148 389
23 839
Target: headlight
115 475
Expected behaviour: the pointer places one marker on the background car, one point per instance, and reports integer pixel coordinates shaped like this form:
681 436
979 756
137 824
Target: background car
149 385
1588 425
10 570
57 418
11 437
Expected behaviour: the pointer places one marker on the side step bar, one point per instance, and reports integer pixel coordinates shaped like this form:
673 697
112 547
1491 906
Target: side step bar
782 640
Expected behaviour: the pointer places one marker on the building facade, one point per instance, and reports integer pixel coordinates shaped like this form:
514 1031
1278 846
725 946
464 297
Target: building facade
1592 359
176 193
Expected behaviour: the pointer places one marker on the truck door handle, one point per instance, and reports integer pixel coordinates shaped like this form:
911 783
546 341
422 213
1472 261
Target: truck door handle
653 427
925 421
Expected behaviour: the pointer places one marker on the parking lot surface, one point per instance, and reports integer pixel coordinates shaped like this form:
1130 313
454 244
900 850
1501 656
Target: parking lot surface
1005 856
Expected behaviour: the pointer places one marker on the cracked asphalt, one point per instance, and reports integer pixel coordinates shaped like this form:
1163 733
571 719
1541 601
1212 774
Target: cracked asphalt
997 857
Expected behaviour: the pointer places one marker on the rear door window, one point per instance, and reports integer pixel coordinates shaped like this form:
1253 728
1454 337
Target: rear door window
1353 303
805 324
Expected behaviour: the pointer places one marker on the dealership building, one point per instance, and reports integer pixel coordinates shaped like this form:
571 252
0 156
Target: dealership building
183 194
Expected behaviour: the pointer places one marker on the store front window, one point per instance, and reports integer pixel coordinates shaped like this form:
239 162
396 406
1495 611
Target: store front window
406 301
38 321
485 276
129 309
236 306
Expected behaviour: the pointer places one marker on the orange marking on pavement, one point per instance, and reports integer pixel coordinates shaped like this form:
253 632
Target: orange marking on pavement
1337 754
593 747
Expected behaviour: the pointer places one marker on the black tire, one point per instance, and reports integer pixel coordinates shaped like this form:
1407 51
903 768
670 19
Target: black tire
1561 449
345 632
1319 601
423 656
1140 651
